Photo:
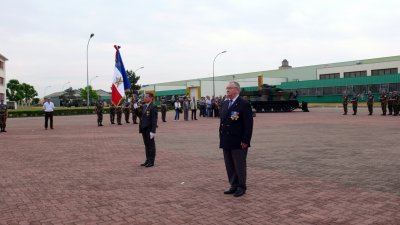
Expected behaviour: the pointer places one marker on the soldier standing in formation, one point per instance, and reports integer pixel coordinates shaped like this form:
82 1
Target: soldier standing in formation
119 114
345 101
112 113
354 102
135 108
163 109
3 116
127 111
99 111
370 103
390 103
383 99
396 103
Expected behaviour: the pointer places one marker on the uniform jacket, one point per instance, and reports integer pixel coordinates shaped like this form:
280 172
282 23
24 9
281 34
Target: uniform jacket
236 124
148 120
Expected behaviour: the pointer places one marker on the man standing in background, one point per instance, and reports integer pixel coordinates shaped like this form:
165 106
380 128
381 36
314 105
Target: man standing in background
3 116
48 108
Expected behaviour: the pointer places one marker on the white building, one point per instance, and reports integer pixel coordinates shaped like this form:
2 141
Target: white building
3 83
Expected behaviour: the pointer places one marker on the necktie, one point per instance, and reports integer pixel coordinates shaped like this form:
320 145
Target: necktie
230 104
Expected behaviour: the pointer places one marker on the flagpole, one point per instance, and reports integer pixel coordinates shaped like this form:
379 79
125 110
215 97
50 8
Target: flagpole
87 69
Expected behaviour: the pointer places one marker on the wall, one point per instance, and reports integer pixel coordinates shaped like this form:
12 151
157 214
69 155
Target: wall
3 75
358 67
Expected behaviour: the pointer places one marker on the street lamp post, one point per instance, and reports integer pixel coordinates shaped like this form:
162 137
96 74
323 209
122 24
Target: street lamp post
213 71
64 85
138 69
44 91
90 82
87 69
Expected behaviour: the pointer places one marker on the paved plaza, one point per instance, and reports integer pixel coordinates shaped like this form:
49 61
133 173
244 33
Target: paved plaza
303 168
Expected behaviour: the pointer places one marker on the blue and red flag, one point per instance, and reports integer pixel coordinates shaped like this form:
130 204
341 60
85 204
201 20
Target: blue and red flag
120 80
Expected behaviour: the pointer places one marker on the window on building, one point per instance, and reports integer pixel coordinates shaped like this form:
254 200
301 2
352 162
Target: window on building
312 91
374 88
303 92
1 81
384 71
355 74
329 76
394 87
2 96
329 90
1 65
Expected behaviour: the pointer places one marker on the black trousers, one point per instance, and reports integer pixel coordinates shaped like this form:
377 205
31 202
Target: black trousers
235 163
99 118
47 116
150 146
163 115
194 112
370 108
112 117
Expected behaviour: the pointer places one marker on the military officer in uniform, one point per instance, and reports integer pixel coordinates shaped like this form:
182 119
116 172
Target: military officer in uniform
99 108
3 116
163 109
147 127
396 103
383 99
112 113
119 114
345 101
370 103
354 103
127 112
390 103
235 131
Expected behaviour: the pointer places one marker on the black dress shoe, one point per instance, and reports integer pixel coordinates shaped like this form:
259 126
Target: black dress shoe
149 165
144 164
231 191
239 192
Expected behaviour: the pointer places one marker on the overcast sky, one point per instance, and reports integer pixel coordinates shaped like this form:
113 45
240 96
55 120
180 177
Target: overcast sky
45 40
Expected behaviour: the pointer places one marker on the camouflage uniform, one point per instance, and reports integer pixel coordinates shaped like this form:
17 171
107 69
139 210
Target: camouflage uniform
390 103
119 114
127 111
384 100
134 109
3 116
396 103
112 113
345 101
99 111
163 110
370 103
354 102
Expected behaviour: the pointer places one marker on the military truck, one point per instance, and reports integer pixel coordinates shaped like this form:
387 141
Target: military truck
271 99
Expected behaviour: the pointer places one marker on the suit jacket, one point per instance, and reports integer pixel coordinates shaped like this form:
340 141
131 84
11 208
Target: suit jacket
236 125
148 119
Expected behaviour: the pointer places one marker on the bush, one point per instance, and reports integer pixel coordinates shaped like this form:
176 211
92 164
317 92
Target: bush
57 112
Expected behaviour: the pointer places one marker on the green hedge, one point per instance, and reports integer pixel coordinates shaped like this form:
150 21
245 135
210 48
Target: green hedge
57 112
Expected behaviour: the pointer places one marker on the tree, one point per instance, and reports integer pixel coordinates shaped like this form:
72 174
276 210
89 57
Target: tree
29 93
69 98
14 90
20 92
92 94
133 79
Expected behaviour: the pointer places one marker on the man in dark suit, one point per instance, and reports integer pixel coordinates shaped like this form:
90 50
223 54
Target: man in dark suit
236 128
147 127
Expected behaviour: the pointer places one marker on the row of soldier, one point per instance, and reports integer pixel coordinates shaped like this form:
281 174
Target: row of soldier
127 108
389 102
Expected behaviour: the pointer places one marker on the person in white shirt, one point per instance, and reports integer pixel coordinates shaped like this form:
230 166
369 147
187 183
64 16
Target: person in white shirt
177 105
48 108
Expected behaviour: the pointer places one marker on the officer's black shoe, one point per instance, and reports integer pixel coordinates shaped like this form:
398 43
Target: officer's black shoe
4 131
120 124
344 113
231 191
144 164
101 125
239 192
149 165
